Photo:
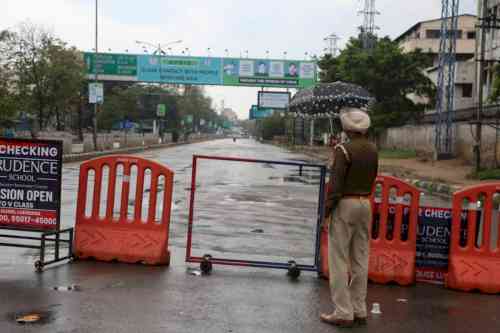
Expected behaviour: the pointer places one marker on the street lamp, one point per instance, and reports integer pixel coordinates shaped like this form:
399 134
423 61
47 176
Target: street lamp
158 47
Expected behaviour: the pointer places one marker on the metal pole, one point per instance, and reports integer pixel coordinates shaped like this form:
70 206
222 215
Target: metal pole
95 81
477 146
311 133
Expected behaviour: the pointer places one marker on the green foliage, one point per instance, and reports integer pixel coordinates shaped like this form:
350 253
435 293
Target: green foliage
273 126
495 90
48 75
488 174
397 153
138 102
388 73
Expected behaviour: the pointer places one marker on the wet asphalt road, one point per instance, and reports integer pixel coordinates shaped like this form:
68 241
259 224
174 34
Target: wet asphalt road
242 211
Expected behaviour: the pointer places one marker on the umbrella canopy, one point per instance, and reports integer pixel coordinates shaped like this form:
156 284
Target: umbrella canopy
327 99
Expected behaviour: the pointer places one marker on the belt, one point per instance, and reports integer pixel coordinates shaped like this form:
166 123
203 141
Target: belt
356 196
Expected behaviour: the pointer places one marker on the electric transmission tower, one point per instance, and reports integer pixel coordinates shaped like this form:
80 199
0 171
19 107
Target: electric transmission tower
446 79
369 27
332 42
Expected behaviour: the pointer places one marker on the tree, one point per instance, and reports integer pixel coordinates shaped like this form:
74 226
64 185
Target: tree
48 75
388 74
273 126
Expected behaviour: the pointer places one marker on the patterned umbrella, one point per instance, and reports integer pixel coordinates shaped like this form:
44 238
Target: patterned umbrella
326 99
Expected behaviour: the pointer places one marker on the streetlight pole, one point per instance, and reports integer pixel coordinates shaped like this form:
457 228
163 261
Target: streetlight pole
158 47
94 134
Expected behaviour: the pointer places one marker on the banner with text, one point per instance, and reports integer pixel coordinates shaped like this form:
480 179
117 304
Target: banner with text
269 73
30 183
201 70
179 70
433 239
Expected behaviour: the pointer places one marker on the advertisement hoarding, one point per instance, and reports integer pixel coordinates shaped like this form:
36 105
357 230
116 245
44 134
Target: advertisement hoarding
268 73
30 183
273 99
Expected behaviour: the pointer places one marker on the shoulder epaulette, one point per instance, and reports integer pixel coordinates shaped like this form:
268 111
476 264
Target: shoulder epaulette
346 154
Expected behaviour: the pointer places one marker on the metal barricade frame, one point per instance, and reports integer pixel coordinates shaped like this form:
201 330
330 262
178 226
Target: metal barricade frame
253 263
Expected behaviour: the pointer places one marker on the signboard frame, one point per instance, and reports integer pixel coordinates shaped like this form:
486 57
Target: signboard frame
48 234
58 191
216 71
277 93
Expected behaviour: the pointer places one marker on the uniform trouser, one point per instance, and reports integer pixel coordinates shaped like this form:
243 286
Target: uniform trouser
348 250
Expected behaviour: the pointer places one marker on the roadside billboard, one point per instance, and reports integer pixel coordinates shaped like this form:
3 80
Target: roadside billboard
202 70
273 99
30 183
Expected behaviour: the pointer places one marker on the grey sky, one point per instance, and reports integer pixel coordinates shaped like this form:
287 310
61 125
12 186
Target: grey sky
294 26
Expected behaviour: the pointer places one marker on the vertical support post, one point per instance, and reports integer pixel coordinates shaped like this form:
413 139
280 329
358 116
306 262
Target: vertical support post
42 249
191 208
94 132
311 133
321 216
478 134
56 252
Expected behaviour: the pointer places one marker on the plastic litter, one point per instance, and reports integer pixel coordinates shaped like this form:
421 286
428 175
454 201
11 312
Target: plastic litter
195 272
29 318
402 300
72 287
376 308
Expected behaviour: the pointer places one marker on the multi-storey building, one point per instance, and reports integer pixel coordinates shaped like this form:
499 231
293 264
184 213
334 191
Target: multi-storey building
426 36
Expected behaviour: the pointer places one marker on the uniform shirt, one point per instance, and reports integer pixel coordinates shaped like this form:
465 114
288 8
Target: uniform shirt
352 175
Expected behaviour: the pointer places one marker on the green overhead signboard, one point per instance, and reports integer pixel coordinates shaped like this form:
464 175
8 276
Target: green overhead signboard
111 64
203 70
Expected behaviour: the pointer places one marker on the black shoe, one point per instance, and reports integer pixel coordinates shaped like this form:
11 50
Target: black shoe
360 321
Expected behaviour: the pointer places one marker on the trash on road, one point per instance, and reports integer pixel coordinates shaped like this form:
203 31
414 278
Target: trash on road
72 287
29 318
376 308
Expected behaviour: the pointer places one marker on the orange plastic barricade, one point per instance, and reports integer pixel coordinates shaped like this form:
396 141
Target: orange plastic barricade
474 260
323 252
123 210
394 231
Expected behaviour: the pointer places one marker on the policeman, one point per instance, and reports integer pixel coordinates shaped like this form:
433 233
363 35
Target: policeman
349 214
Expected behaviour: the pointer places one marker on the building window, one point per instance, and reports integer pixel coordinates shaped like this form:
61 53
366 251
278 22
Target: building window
467 90
436 34
471 35
433 34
